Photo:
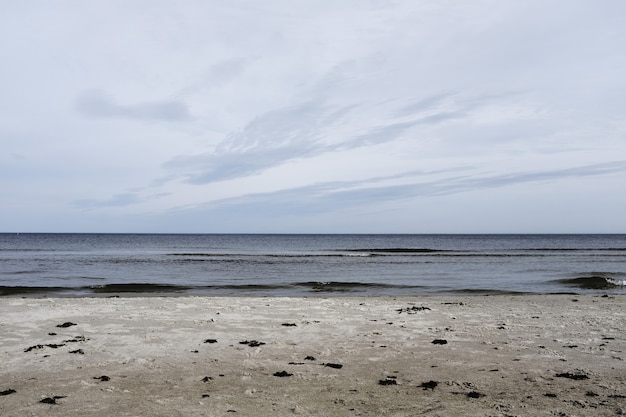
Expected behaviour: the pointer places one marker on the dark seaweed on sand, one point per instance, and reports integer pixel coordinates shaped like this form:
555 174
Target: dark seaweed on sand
334 365
390 380
51 400
76 339
412 310
7 392
429 385
50 345
569 375
252 343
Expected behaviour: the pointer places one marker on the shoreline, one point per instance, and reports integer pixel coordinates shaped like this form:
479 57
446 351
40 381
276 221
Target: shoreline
319 355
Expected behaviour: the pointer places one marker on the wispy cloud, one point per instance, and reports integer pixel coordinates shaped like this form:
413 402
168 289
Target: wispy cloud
223 100
269 140
99 105
117 200
336 195
312 128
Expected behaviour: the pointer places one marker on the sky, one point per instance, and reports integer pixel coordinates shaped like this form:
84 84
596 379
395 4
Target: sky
313 116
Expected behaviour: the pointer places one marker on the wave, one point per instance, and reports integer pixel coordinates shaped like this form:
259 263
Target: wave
342 286
594 282
483 291
294 288
136 287
575 249
198 257
17 290
397 250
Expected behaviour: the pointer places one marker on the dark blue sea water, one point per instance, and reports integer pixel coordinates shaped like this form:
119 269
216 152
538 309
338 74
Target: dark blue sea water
310 265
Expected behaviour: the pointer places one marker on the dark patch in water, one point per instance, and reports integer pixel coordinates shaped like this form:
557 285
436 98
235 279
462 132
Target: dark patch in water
482 291
137 287
6 290
341 286
592 282
396 250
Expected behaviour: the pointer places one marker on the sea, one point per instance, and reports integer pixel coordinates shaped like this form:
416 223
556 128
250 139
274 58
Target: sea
309 265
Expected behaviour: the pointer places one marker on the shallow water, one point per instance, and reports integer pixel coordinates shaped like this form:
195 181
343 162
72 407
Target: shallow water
301 265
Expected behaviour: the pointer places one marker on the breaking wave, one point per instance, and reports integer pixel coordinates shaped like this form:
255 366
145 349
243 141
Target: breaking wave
594 282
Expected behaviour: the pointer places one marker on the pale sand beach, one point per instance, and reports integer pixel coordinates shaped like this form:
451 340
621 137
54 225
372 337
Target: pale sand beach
544 355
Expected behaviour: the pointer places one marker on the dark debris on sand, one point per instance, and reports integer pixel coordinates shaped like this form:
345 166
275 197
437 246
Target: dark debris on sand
439 342
569 375
51 400
390 380
282 374
252 343
76 339
50 345
102 378
7 392
429 385
334 365
66 324
412 310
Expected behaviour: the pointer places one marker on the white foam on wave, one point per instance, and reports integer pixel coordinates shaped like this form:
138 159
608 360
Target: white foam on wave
618 282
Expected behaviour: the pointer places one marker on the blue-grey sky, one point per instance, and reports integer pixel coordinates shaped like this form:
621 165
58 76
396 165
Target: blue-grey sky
355 116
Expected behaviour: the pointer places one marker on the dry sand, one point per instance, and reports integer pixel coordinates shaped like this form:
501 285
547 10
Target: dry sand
547 355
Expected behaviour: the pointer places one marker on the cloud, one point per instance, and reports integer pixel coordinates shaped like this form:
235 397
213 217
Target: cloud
98 105
118 200
217 75
269 140
336 195
315 127
313 107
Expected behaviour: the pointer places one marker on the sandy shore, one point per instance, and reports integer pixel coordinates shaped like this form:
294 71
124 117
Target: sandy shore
552 355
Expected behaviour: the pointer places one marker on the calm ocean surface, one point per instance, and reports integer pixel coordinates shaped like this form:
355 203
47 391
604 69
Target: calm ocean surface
310 265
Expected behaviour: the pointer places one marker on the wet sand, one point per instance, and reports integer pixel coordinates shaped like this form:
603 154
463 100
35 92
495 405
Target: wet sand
544 355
